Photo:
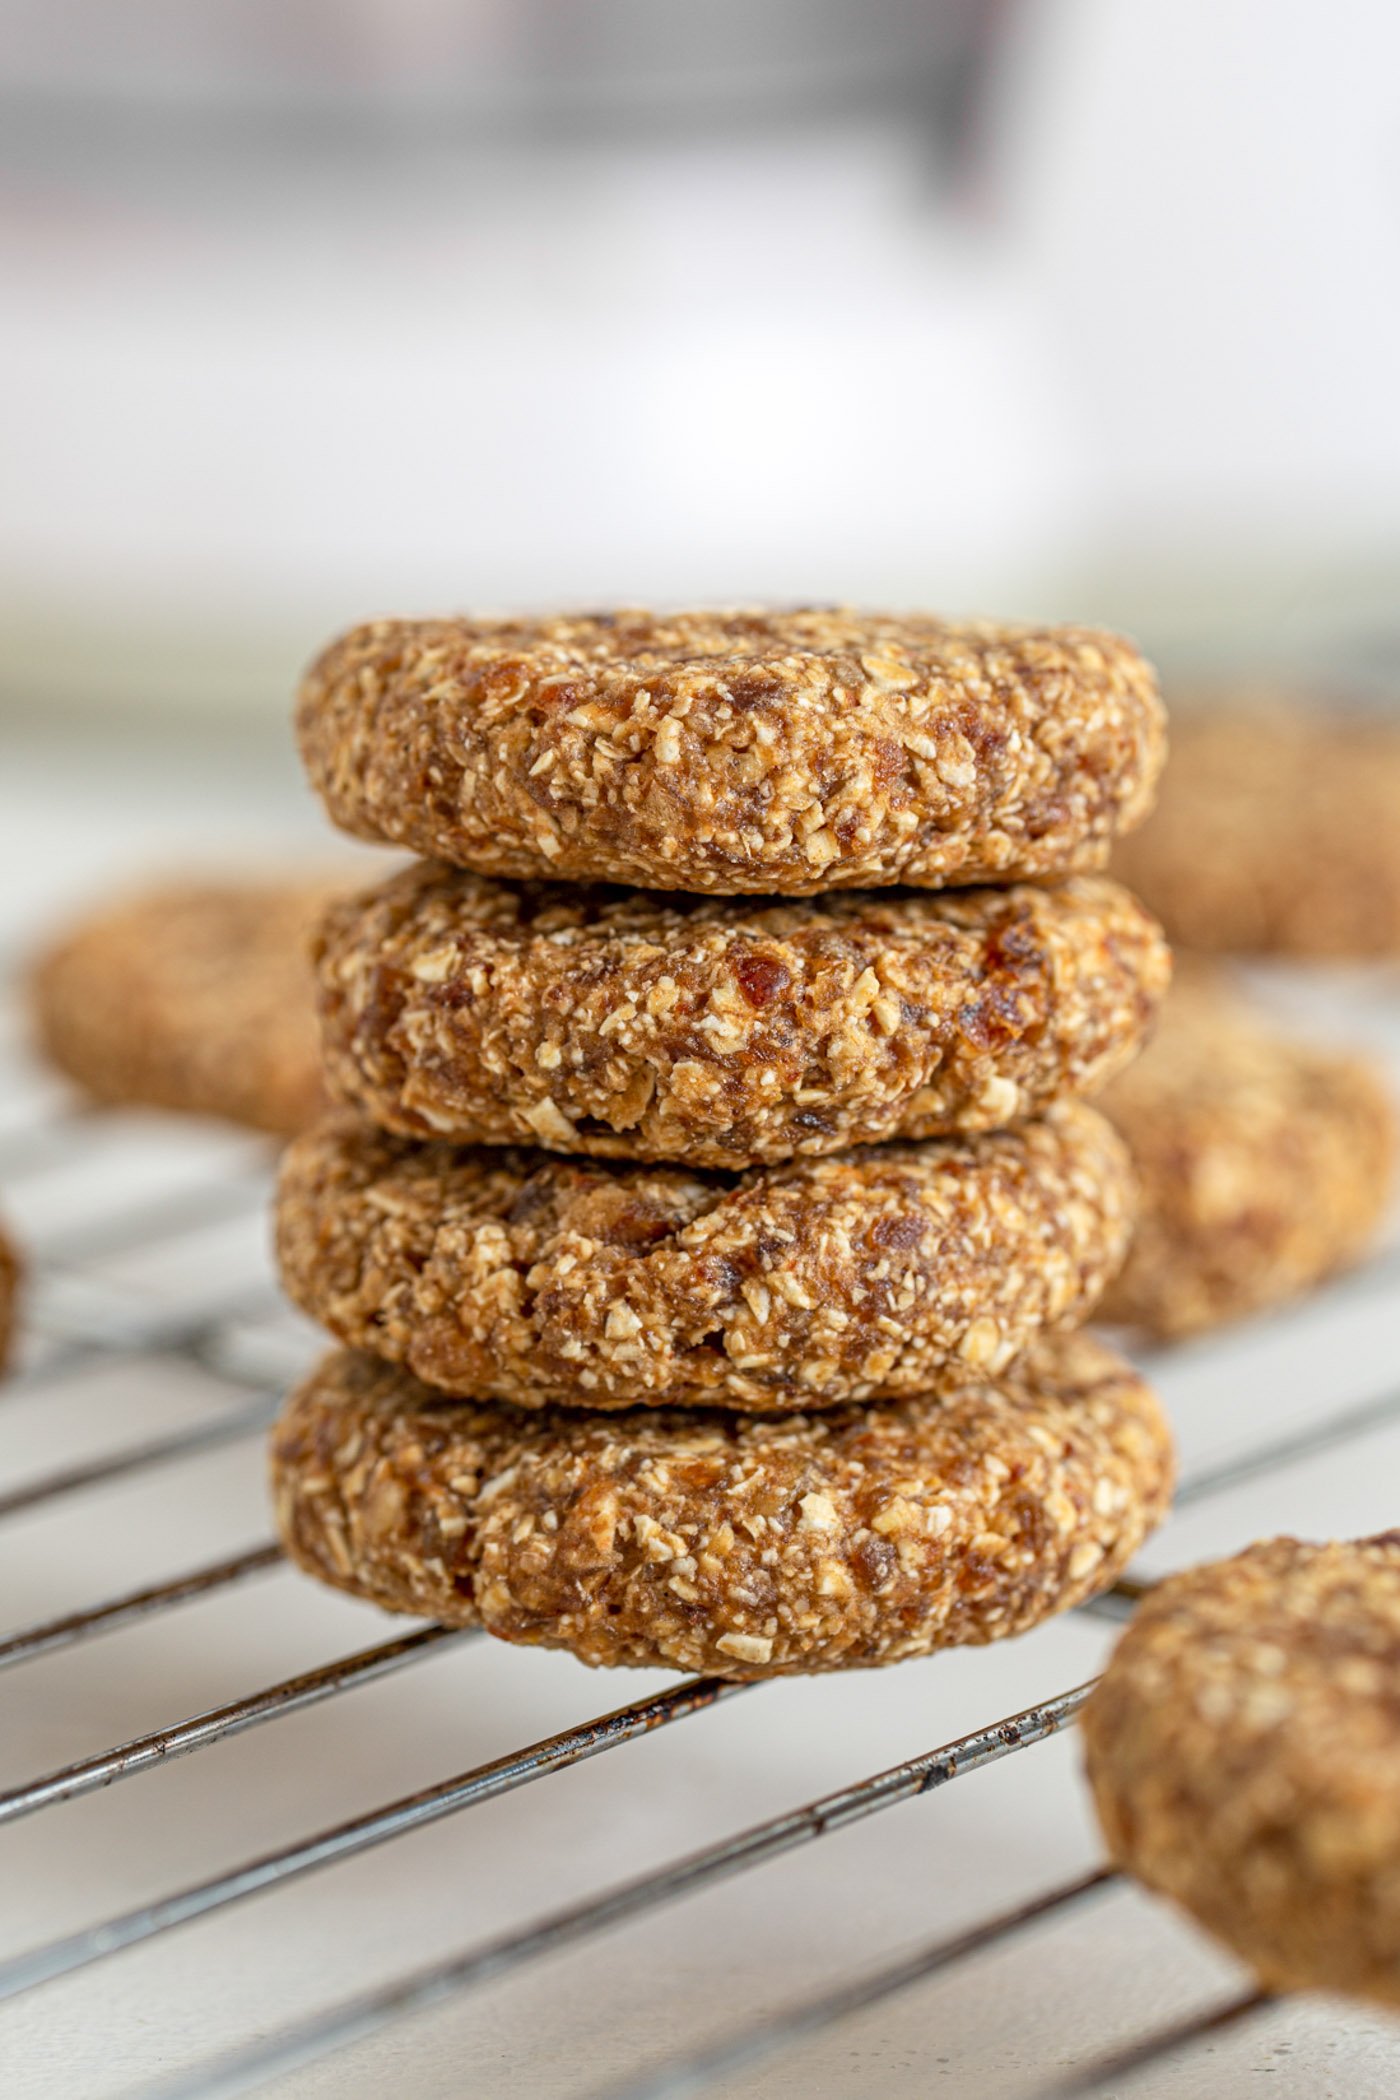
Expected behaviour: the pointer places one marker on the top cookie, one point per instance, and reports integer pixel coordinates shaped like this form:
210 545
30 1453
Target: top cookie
736 752
1278 830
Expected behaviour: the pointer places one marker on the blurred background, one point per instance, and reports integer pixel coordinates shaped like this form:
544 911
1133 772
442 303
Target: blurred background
312 309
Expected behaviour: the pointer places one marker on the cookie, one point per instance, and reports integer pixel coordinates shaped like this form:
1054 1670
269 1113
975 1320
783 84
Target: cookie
1278 831
738 752
694 1540
1264 1164
194 996
9 1290
625 1024
1243 1748
505 1275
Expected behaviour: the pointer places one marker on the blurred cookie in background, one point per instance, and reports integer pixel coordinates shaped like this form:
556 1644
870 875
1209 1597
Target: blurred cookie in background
1265 1164
1277 829
193 995
1241 1748
9 1288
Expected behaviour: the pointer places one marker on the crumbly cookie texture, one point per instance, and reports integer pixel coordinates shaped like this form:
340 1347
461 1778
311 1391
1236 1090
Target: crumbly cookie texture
9 1291
1243 1746
694 1540
625 1024
1265 1164
518 1276
194 996
739 752
1278 830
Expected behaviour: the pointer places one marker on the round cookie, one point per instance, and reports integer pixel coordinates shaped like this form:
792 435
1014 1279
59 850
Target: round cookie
1264 1164
520 1276
1277 831
194 995
9 1290
740 1547
739 752
1243 1747
625 1024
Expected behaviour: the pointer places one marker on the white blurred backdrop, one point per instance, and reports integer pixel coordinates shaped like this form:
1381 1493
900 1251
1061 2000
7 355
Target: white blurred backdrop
312 310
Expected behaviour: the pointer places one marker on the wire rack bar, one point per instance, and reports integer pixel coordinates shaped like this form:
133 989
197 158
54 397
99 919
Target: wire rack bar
28 1151
94 1329
78 1626
1122 2065
1377 1412
394 1819
291 1695
365 2014
684 2076
182 1443
165 1217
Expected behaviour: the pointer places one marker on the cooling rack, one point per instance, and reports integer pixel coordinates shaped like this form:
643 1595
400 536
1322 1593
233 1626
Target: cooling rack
612 1935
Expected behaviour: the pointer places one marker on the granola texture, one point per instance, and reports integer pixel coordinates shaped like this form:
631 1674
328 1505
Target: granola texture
694 1540
1265 1164
524 1277
9 1291
624 1024
193 996
1243 1746
1277 832
737 752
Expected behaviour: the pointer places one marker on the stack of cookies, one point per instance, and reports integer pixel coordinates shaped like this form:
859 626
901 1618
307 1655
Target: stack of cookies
714 1203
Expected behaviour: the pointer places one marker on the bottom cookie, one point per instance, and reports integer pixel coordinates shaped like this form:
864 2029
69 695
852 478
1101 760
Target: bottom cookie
737 1546
1264 1164
1243 1749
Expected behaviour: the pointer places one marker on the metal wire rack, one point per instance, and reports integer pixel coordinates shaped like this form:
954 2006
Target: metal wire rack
106 1205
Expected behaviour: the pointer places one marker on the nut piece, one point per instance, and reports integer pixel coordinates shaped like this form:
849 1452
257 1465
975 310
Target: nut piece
719 1032
193 996
9 1289
740 752
1265 1165
1278 830
1243 1747
685 1540
519 1276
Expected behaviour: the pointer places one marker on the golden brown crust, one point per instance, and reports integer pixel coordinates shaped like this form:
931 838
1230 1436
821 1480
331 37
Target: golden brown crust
193 996
1277 832
624 1024
9 1290
739 752
741 1547
519 1276
1243 1749
1265 1165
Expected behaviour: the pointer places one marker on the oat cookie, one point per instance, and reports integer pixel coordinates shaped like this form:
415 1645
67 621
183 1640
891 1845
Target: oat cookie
694 1540
626 1024
738 752
1243 1749
9 1289
195 995
519 1276
1265 1164
1278 830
